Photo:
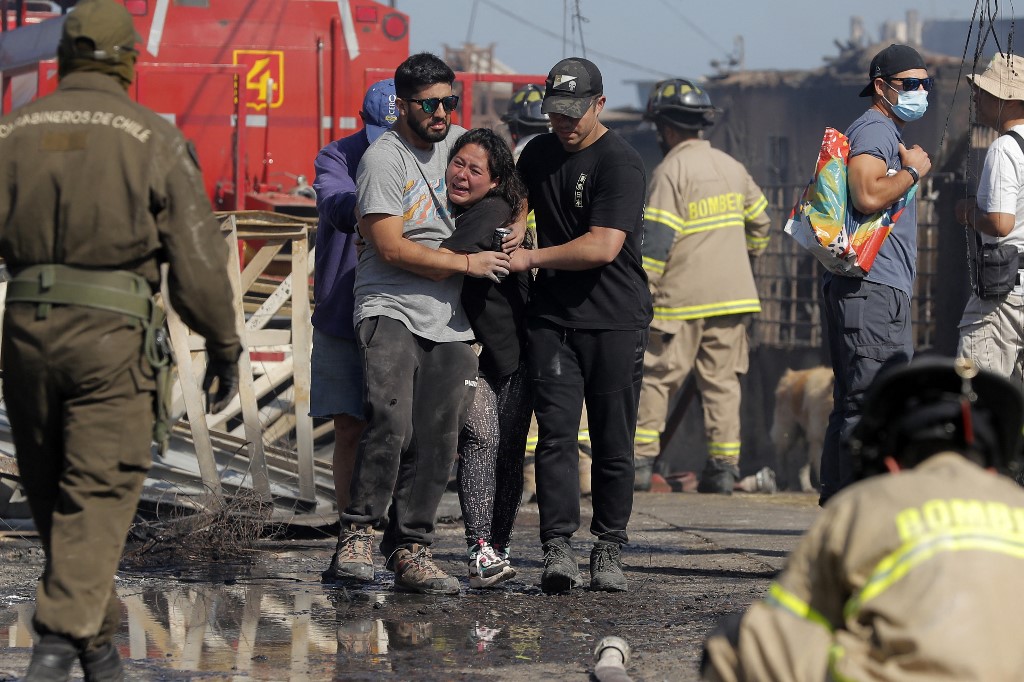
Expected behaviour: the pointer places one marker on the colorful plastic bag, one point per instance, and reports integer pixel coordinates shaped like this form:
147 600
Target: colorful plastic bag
821 223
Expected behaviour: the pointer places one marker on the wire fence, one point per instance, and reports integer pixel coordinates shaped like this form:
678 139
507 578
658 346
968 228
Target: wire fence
789 279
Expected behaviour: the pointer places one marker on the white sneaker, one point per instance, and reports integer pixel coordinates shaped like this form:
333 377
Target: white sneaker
486 567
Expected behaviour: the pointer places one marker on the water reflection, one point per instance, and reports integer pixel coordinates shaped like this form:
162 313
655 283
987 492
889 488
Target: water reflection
302 632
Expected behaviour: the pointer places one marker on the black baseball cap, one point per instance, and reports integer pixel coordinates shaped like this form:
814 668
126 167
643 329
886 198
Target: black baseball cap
890 61
571 87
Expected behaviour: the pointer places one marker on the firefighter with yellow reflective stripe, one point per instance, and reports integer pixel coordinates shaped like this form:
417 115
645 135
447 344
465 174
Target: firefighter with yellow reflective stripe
910 576
705 219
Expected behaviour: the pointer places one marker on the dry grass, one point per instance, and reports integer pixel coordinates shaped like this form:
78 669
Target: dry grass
225 530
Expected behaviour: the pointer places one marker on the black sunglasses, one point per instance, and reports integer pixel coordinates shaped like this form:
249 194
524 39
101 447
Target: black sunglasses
911 84
430 105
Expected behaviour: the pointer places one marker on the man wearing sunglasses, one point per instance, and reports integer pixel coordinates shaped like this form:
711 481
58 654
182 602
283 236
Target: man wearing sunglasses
867 320
413 334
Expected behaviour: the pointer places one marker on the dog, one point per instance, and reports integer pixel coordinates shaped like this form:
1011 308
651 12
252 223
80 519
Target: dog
803 402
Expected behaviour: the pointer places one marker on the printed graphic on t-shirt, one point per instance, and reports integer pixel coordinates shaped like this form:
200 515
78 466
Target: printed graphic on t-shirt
418 203
578 194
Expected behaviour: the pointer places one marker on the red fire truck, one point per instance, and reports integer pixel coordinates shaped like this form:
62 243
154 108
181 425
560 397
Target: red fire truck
257 85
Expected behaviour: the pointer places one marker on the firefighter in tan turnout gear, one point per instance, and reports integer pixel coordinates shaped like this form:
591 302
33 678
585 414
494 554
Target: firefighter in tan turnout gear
96 192
705 218
913 573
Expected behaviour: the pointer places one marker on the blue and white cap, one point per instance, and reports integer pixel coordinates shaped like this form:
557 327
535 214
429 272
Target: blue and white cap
379 109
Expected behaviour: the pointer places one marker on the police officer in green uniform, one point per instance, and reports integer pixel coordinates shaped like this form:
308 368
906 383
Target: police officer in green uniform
96 192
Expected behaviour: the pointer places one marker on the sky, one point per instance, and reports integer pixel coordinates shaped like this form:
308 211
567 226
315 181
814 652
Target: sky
647 40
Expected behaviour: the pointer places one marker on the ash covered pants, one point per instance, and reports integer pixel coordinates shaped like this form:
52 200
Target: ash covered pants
79 394
867 325
603 368
716 349
417 395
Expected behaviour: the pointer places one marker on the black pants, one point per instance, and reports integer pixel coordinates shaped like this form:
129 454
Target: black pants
605 369
868 325
416 397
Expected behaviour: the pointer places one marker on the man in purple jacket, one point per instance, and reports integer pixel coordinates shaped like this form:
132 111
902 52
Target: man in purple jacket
337 382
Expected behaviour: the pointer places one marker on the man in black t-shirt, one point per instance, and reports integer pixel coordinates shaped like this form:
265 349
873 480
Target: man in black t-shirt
589 310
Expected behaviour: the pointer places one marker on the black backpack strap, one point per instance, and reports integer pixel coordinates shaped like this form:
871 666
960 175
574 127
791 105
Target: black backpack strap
1017 136
1020 143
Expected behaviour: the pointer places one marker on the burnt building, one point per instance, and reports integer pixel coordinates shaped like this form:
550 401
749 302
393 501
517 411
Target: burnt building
773 122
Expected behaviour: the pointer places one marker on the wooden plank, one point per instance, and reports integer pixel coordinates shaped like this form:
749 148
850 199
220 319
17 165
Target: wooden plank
278 428
323 430
269 337
302 332
274 377
263 315
246 391
283 292
192 395
258 264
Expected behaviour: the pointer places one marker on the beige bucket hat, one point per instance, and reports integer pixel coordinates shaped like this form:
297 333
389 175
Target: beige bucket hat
1003 78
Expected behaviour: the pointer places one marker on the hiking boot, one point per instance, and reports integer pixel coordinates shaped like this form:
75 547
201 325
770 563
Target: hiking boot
561 568
643 469
52 659
353 559
415 571
102 664
606 567
486 566
719 476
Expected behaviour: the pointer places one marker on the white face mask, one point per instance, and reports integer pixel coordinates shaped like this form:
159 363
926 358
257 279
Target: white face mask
909 106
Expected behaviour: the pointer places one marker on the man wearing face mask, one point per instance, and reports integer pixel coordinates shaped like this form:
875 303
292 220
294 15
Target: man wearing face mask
867 320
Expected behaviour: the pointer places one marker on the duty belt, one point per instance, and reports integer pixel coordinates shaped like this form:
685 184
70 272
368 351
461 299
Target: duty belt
118 291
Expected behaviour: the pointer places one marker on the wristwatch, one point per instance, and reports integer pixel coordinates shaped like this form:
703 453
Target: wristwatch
913 173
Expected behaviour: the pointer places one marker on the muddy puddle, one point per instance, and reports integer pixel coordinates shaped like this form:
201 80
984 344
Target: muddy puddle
692 561
250 622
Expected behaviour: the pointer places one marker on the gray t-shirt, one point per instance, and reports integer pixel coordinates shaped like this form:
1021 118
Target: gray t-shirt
389 181
896 263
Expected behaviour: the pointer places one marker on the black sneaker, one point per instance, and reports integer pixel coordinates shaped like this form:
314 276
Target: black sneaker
561 567
102 664
606 567
719 476
353 559
52 659
643 469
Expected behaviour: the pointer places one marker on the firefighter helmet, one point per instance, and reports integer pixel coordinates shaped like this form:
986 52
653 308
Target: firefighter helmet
913 410
681 102
524 107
